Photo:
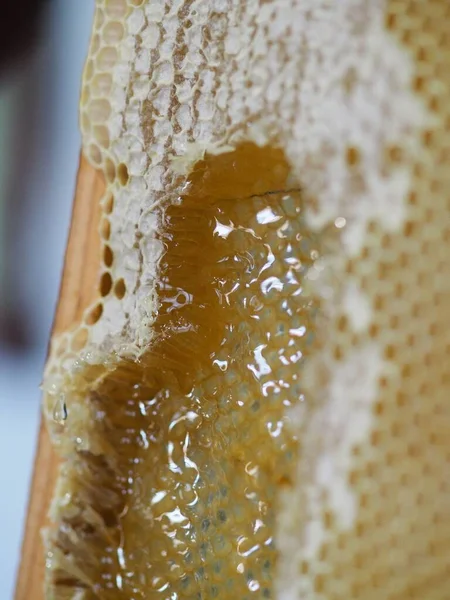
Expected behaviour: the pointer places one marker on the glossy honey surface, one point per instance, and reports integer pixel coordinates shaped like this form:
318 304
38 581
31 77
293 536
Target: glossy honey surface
201 437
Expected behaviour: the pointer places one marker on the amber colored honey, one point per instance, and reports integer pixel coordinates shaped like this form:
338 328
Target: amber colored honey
198 430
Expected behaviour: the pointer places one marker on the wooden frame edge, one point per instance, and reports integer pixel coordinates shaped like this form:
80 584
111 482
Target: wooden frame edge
77 290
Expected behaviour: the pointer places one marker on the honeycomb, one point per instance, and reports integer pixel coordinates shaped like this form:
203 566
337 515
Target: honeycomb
256 404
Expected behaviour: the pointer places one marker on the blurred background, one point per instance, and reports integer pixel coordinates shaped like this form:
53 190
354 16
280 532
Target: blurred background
42 49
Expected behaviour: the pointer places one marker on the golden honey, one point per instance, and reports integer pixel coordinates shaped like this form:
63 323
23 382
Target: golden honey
199 428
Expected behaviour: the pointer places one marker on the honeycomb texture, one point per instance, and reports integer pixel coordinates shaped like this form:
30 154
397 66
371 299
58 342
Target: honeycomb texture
357 502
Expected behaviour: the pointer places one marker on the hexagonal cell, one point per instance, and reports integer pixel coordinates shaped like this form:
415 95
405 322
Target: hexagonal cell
107 203
120 289
113 32
94 314
122 174
105 284
106 58
110 170
108 256
79 339
101 85
94 154
116 9
101 135
99 110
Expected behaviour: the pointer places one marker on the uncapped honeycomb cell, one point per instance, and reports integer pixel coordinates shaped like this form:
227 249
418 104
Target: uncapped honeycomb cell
106 58
105 284
120 289
108 256
256 404
102 135
99 110
94 314
110 170
116 9
105 228
122 174
94 154
108 203
79 339
101 86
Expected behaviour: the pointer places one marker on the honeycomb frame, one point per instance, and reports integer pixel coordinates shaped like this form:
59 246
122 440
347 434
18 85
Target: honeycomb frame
361 116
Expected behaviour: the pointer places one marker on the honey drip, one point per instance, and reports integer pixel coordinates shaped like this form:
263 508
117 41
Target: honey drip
197 430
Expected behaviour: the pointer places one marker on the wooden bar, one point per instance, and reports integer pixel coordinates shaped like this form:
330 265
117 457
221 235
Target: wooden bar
79 286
